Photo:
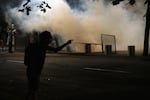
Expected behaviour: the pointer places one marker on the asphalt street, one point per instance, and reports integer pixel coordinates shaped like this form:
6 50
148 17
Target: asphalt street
73 77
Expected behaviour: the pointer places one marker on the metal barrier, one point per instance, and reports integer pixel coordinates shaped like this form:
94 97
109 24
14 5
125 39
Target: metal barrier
87 46
131 50
108 50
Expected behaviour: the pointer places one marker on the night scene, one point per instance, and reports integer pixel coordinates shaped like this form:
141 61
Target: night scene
74 49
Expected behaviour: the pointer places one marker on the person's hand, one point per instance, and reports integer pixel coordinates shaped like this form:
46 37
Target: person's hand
69 41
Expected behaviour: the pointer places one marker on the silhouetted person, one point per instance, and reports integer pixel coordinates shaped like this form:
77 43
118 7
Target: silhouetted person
34 59
10 45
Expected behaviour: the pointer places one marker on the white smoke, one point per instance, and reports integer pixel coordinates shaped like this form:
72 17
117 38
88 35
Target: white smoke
124 21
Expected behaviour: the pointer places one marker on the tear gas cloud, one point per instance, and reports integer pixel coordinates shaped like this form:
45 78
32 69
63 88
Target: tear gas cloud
86 25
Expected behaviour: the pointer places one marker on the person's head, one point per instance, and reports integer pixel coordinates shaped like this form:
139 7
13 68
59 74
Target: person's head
45 38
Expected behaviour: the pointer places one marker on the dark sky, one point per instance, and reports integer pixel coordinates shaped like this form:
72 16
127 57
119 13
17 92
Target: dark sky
76 4
11 3
3 7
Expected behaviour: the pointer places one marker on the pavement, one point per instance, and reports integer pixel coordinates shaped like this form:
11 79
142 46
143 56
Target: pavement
78 76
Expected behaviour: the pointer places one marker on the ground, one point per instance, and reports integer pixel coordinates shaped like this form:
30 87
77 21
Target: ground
73 77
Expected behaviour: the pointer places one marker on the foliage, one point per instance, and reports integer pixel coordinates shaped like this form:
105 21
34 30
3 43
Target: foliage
27 9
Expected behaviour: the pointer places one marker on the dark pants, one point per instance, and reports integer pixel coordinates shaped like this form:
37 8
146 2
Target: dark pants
33 77
10 47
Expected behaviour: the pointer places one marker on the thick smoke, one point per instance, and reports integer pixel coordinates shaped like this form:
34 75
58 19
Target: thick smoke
4 4
94 17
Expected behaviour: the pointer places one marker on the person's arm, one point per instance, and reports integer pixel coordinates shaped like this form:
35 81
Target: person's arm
60 47
26 57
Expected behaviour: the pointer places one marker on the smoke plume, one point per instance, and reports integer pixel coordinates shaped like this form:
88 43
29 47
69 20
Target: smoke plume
85 21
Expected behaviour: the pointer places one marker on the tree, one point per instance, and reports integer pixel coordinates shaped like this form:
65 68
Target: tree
27 9
147 26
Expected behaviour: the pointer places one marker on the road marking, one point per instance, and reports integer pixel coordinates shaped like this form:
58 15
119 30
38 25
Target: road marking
16 61
106 70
